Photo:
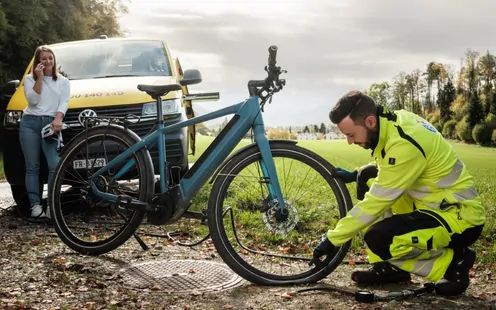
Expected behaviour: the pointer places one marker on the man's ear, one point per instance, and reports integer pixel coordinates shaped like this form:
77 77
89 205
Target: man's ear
370 122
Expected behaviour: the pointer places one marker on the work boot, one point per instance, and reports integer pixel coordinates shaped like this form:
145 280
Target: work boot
456 279
380 273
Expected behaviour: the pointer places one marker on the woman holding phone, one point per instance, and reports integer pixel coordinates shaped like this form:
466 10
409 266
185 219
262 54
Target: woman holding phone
47 93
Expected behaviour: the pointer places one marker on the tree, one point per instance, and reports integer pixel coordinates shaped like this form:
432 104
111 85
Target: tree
322 128
315 128
306 130
486 67
472 71
475 112
26 24
492 109
446 96
380 93
399 91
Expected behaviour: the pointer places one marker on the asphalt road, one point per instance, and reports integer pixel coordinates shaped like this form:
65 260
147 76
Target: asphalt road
5 193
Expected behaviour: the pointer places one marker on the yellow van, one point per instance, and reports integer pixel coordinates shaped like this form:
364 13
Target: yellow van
104 74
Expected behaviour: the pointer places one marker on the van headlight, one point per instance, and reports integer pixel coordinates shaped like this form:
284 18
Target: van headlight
168 107
12 118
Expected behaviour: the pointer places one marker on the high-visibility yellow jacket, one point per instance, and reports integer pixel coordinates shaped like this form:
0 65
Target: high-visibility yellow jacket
413 159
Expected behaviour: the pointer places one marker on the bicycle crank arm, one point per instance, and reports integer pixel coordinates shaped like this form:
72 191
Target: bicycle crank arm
134 204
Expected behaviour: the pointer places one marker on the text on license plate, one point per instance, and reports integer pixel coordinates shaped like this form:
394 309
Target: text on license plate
92 163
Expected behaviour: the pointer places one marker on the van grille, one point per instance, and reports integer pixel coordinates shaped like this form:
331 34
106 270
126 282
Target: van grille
174 149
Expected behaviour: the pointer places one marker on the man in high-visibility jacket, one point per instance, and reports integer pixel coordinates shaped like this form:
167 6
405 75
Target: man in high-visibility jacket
420 209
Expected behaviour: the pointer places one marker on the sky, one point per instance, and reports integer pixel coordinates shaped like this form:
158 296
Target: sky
328 47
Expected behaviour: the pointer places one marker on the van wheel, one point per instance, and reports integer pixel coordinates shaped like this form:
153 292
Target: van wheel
21 199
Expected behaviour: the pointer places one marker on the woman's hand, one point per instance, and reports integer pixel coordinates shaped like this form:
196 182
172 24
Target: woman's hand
39 69
57 124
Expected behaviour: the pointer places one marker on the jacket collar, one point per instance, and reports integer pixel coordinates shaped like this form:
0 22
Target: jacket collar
384 116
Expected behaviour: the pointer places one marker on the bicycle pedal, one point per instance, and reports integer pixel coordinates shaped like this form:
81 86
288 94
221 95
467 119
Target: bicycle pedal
204 218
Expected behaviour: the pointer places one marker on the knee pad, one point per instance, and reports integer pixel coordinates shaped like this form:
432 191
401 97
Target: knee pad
365 174
378 241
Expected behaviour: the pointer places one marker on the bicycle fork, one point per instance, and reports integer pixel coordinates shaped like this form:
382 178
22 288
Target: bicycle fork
268 166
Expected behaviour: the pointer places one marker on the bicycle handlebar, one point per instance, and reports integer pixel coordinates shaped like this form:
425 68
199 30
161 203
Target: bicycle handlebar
272 55
272 83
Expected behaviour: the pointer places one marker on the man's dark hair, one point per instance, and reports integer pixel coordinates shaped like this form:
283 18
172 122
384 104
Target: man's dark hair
355 104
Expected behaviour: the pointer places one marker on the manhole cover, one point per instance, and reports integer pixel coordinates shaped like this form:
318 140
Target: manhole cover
182 276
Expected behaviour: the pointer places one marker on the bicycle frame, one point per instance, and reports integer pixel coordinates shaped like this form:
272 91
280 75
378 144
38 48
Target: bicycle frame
247 115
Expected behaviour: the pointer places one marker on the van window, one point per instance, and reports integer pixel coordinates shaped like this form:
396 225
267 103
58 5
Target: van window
109 58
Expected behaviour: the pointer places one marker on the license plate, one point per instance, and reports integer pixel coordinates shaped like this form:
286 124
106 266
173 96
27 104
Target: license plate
92 163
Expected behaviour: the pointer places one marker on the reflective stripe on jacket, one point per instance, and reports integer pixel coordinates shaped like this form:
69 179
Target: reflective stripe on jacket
413 159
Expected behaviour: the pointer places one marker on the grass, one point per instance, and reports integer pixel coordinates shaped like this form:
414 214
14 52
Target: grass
479 161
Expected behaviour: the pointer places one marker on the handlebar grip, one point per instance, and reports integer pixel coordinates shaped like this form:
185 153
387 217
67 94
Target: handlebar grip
272 55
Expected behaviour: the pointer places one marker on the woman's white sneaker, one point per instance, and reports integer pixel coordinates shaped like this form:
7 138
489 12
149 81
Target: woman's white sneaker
37 211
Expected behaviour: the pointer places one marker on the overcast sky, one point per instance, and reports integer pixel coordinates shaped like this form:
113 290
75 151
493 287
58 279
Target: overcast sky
328 46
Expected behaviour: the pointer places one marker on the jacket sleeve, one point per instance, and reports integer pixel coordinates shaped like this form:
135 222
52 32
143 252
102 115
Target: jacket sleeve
391 182
374 163
32 96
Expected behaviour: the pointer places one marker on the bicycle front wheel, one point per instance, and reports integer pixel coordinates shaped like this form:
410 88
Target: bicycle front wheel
84 222
243 224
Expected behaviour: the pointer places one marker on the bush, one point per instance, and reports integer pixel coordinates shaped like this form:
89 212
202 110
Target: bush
449 130
494 136
491 120
459 108
434 117
482 133
438 126
463 130
278 134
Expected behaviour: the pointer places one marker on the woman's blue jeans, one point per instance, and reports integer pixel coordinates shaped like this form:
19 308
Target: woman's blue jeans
32 144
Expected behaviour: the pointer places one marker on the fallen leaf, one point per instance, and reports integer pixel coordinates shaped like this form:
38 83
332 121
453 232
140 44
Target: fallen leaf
286 295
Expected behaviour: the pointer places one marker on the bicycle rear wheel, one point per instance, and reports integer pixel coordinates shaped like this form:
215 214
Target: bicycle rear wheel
85 223
242 222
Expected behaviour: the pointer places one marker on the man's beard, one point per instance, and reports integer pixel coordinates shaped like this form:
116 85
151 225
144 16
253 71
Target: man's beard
371 141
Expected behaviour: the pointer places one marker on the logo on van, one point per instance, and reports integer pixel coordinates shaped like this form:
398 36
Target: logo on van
84 114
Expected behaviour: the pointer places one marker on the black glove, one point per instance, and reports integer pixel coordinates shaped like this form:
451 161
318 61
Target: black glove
325 247
345 175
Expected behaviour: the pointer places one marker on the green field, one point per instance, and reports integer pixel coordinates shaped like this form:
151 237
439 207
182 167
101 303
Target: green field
479 160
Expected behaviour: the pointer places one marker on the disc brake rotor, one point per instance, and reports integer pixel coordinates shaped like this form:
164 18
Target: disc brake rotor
280 227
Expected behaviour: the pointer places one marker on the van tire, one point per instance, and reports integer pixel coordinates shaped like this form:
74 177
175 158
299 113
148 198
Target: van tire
21 199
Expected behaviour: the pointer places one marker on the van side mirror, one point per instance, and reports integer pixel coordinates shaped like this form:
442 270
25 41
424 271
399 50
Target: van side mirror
190 77
10 88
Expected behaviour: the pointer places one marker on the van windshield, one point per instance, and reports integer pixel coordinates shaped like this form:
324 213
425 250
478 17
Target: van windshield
109 58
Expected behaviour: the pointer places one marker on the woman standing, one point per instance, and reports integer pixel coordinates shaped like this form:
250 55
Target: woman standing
47 93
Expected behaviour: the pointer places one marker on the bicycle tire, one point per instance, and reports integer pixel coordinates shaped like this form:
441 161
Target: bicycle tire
146 181
216 226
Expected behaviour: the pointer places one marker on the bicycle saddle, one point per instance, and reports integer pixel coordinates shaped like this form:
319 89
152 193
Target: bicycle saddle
158 90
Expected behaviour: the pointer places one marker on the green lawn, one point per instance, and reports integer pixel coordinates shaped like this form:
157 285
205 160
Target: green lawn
479 160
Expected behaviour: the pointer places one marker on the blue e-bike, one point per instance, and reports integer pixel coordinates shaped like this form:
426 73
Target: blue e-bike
277 214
